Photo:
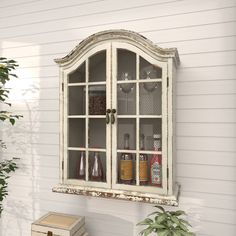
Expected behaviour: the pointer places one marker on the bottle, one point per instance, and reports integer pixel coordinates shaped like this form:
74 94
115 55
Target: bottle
143 164
96 170
156 163
81 167
126 164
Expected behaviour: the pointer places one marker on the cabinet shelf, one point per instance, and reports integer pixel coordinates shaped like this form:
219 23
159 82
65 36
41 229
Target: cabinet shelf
138 151
85 116
139 116
159 80
84 84
120 195
86 149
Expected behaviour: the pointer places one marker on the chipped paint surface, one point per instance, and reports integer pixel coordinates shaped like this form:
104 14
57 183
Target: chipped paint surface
119 35
167 58
122 195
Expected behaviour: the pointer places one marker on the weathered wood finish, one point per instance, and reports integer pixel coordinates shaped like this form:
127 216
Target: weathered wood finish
118 36
121 195
167 60
36 32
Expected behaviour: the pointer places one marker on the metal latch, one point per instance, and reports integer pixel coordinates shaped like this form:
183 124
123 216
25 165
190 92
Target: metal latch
49 233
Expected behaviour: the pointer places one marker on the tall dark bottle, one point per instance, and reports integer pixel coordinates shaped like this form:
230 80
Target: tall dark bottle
97 169
143 163
81 167
126 164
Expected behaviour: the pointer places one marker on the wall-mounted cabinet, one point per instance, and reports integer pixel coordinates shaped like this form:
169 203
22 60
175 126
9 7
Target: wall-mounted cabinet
117 119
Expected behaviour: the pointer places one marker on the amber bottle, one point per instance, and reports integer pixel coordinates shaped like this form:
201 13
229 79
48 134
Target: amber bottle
143 163
126 164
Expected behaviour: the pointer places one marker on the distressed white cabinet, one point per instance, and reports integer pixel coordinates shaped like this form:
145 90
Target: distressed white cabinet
116 96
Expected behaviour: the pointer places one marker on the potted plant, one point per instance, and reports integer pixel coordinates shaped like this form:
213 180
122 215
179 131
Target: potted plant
6 166
166 223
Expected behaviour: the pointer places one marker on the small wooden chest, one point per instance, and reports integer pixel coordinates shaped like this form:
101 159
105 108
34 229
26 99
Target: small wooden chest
57 224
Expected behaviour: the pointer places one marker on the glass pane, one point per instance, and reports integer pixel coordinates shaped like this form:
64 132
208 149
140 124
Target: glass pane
97 133
126 95
77 100
76 132
150 170
126 168
97 166
76 165
97 67
78 76
148 128
126 68
97 100
148 71
126 129
150 98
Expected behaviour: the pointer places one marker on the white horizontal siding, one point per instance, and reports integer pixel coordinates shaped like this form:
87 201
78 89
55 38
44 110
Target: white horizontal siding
37 31
225 101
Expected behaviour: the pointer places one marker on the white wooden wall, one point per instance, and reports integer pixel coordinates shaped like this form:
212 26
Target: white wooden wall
34 32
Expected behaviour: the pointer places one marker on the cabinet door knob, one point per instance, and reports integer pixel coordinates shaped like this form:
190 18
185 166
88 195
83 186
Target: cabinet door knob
113 111
107 116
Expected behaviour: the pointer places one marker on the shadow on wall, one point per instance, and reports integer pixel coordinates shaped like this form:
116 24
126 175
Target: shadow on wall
15 214
107 225
24 141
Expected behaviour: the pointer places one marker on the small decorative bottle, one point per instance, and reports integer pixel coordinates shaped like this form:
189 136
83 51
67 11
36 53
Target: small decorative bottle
156 163
81 167
126 164
96 170
143 164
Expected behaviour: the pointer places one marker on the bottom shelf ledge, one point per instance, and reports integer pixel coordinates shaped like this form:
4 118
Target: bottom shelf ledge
171 200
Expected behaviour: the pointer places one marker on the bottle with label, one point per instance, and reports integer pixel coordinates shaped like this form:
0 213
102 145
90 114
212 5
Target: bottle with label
81 167
143 163
126 164
97 169
156 163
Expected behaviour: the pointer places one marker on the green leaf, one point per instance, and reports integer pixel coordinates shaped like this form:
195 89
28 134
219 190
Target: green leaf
157 226
175 220
185 222
177 233
147 221
153 213
160 207
161 218
178 213
183 227
183 233
12 121
146 231
165 232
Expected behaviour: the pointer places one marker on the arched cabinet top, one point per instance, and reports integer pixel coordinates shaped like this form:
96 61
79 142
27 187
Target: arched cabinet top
130 37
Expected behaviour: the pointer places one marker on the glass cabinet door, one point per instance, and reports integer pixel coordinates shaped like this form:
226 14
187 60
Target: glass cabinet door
87 154
140 131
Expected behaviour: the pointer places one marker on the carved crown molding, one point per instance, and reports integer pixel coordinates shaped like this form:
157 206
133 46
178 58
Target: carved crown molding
118 35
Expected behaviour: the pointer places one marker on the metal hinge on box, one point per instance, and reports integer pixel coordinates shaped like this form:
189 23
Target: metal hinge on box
62 87
167 82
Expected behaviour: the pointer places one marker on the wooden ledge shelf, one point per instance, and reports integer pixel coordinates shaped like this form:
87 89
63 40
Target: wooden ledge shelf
120 195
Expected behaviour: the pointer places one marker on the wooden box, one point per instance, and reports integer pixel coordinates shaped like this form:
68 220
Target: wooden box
57 224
